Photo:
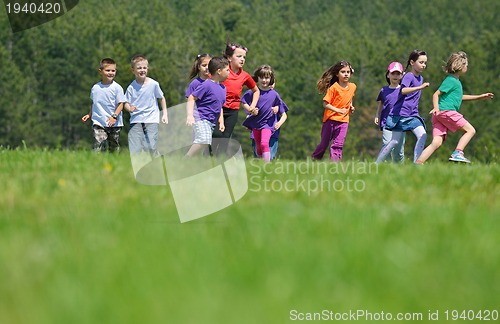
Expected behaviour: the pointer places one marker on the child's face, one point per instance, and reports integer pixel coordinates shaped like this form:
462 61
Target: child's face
108 73
420 64
237 60
395 76
265 82
140 69
204 68
344 74
223 73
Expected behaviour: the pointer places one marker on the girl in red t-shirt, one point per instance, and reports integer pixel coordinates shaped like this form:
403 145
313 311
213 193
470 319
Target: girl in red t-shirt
236 54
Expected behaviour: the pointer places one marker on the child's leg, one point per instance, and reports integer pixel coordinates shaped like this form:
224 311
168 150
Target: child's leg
195 149
421 136
437 141
386 137
326 135
114 138
135 138
264 143
100 138
397 137
257 138
398 152
254 148
469 132
339 134
273 145
151 136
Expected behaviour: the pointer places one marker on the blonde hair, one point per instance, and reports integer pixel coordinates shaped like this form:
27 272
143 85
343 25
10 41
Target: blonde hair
456 62
137 58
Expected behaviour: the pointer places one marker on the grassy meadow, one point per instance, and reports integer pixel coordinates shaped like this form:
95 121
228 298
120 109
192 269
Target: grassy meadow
82 242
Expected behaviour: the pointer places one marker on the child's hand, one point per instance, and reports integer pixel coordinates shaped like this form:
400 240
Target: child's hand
132 108
342 111
488 95
275 109
222 127
425 84
434 111
277 126
255 111
85 118
376 121
189 121
164 117
352 109
111 121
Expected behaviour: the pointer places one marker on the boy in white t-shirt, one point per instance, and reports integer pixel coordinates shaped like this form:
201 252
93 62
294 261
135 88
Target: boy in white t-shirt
142 102
106 111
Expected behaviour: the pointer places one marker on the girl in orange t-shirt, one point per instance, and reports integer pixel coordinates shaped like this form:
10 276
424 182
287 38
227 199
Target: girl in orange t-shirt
338 106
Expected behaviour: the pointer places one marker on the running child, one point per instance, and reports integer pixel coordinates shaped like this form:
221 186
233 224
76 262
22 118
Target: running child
262 121
209 97
446 103
386 98
404 115
106 111
142 96
236 55
199 72
338 106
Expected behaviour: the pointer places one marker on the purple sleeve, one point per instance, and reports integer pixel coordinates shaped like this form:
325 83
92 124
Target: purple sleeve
247 97
380 96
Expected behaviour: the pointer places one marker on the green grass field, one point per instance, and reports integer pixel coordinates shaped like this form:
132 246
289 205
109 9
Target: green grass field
82 242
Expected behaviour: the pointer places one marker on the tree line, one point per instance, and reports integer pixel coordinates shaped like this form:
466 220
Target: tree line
48 70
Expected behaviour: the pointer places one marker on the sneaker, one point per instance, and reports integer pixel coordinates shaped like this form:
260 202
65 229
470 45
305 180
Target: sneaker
458 156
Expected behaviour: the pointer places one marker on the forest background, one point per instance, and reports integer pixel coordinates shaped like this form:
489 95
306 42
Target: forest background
48 71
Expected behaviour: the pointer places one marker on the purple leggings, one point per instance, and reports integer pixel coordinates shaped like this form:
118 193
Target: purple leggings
336 132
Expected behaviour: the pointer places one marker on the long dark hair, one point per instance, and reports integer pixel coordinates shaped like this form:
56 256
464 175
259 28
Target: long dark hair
414 56
195 69
329 77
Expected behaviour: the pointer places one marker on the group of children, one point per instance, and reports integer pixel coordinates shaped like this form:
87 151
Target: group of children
214 97
397 110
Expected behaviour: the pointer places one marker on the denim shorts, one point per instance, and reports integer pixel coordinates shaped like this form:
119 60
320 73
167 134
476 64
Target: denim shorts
403 124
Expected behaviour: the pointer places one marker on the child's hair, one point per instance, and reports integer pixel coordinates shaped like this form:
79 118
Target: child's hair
136 59
456 62
264 71
329 77
414 56
216 63
106 61
195 69
231 47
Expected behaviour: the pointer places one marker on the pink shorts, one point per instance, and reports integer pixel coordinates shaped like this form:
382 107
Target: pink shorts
447 120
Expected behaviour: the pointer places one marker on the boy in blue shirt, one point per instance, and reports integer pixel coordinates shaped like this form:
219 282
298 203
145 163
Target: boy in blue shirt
107 104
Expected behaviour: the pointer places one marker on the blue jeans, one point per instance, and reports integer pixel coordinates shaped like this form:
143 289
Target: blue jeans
143 137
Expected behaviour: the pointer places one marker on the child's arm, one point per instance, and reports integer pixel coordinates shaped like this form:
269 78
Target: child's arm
342 111
253 111
255 98
114 117
129 108
87 116
435 102
281 121
164 117
377 114
483 96
222 127
190 110
409 90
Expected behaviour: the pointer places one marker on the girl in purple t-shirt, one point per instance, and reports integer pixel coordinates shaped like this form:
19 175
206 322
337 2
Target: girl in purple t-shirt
262 119
386 99
200 71
404 115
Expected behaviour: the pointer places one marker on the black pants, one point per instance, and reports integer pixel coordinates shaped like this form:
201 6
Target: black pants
230 120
